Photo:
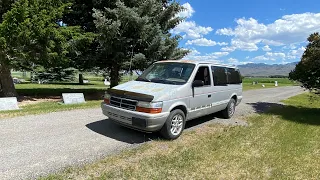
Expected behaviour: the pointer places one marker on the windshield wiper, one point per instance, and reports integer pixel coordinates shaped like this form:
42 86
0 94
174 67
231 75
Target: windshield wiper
143 79
164 81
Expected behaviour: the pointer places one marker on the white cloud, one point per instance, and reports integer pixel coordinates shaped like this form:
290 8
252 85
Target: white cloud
270 56
296 53
222 43
213 57
205 42
242 45
187 12
219 54
266 48
233 61
194 52
289 29
246 62
201 42
228 48
191 30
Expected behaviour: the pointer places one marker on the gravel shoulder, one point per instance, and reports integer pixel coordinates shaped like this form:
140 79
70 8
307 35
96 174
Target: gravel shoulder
37 145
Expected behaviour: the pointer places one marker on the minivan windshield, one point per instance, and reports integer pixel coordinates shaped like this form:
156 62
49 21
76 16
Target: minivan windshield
167 73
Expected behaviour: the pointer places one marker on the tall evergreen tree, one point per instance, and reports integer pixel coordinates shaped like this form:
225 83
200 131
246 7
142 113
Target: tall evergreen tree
138 29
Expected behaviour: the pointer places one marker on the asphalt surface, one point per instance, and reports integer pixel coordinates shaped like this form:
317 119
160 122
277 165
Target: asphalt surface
32 146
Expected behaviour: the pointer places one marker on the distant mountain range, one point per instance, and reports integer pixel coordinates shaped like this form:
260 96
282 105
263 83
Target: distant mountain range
261 69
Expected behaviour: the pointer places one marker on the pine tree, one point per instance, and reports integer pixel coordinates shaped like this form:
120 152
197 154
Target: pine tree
138 29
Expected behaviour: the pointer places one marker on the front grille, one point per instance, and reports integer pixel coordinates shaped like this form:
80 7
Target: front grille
123 103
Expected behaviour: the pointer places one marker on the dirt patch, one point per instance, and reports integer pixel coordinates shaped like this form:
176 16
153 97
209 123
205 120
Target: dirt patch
28 100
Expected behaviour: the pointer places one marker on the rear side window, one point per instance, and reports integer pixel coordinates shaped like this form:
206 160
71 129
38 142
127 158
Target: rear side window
219 75
234 76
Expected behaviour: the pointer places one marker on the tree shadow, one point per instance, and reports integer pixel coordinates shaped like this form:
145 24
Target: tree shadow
297 114
112 130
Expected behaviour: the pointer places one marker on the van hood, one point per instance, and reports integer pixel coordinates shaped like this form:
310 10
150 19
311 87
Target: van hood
158 91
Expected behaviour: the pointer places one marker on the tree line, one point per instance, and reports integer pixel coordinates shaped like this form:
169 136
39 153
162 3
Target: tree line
86 34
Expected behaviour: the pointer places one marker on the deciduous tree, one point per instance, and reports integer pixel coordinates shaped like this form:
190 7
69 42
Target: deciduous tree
307 70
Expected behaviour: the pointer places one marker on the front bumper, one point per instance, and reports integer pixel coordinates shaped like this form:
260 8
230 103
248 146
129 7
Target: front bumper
133 119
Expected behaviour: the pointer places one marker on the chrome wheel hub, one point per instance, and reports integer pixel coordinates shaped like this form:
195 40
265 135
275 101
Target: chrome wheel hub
176 124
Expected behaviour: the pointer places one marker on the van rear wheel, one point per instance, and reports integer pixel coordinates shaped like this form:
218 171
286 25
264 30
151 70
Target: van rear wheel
174 125
230 109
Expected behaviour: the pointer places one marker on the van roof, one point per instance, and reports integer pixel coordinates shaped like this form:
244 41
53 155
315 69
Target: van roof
198 62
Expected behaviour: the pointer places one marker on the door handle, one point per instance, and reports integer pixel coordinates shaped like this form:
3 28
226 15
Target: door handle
209 96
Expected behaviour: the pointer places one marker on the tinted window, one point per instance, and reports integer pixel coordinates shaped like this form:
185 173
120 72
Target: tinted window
219 75
203 75
233 76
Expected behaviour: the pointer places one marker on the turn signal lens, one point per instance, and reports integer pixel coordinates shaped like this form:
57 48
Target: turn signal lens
107 101
106 98
149 110
149 107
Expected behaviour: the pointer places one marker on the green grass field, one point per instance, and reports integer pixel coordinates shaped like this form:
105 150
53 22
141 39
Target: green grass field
93 93
280 144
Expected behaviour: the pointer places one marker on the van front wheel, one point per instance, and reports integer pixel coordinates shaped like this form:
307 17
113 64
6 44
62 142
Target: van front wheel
174 125
230 109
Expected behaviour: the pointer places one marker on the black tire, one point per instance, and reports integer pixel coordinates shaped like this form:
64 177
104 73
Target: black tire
228 112
166 129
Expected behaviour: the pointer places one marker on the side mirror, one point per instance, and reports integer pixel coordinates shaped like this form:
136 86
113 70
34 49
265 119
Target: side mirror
197 83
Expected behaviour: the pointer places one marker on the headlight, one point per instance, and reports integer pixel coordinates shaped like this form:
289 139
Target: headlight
149 107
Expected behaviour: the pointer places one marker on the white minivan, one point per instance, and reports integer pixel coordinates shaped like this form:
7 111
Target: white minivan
169 93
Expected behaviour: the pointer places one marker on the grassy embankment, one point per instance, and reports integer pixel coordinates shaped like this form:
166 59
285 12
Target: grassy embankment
282 143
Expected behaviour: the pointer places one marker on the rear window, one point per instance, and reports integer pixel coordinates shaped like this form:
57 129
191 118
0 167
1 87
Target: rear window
224 76
234 76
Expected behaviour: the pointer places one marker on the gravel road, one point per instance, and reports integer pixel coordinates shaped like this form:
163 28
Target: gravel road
37 145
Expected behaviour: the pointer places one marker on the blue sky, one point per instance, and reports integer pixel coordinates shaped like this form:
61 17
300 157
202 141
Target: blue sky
239 32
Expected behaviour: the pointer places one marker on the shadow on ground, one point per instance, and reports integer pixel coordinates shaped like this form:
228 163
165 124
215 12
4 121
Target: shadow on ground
302 115
112 130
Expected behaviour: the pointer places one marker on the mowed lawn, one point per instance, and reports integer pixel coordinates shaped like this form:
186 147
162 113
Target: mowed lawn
93 93
283 143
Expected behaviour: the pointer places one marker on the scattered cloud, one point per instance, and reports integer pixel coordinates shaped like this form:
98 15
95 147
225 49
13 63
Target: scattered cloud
266 48
270 56
296 53
213 57
233 61
190 30
205 42
246 62
220 54
242 45
188 11
289 29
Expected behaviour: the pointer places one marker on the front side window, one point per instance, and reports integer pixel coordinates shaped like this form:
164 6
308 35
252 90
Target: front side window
203 75
167 73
